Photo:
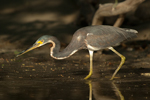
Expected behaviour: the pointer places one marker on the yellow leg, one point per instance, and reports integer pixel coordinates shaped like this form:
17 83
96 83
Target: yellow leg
118 91
91 65
121 63
89 82
90 91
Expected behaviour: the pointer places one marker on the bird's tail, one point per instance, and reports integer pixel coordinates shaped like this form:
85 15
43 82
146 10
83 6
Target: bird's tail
131 33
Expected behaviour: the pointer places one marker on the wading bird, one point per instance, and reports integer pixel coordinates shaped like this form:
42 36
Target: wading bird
93 38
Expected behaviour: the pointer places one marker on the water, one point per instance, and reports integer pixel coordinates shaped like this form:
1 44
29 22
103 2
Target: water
43 79
55 89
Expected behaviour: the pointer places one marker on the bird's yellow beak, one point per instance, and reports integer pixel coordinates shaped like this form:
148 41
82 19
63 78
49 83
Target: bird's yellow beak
31 48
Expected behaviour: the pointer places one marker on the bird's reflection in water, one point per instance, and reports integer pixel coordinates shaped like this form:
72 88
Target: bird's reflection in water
104 91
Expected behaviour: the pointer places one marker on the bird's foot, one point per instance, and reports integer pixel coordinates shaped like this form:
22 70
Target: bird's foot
88 76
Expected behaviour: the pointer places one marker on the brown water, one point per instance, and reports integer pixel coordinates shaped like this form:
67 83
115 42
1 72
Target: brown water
53 89
42 78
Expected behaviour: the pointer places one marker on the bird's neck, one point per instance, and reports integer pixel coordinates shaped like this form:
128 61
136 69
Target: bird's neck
57 54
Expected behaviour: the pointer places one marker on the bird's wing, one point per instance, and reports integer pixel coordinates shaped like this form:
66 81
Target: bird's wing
109 38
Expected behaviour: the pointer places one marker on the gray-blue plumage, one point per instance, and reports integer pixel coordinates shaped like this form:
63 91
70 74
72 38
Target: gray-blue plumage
99 37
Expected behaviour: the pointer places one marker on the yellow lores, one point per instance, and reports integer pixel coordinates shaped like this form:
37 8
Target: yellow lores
40 42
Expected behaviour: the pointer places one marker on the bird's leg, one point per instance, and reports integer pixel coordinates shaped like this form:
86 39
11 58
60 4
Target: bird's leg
90 90
118 91
91 64
89 82
114 6
121 63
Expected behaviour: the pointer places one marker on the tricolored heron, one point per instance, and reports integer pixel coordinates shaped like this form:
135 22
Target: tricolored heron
93 38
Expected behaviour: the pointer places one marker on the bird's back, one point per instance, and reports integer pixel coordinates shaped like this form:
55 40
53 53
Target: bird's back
103 36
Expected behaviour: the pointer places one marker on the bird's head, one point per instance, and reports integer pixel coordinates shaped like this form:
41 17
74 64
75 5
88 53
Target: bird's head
40 42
